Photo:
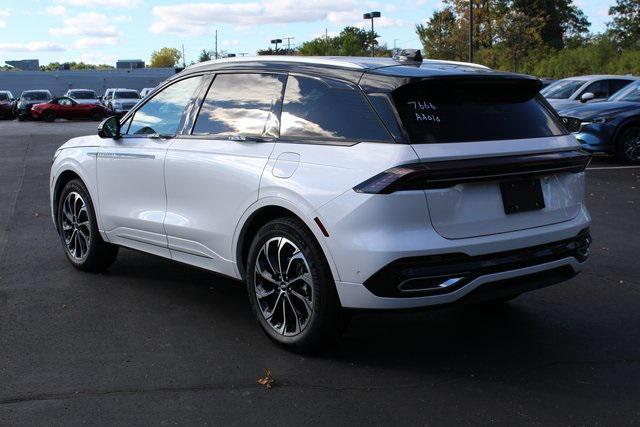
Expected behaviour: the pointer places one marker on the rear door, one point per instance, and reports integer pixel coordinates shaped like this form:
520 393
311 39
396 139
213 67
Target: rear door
213 173
482 130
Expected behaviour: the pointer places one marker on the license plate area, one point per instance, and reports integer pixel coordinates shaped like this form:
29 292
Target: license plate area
522 195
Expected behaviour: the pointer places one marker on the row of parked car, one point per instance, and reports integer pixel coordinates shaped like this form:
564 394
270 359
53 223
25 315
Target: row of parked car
603 112
74 104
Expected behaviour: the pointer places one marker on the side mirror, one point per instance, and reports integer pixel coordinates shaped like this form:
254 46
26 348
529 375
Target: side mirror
110 128
587 96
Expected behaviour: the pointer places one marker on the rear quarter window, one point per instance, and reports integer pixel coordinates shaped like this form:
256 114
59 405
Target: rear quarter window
440 112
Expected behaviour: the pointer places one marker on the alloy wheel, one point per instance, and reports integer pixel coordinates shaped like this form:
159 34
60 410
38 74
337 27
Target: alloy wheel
631 144
283 286
76 230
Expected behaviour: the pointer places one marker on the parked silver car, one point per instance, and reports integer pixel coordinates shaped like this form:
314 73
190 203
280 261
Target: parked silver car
573 90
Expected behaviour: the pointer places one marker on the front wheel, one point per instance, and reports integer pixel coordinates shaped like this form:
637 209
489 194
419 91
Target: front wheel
628 146
291 287
48 116
78 230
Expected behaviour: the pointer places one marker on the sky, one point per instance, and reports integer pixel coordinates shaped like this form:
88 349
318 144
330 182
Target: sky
102 31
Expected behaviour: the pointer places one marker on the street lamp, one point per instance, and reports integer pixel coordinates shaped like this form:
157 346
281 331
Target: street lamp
372 15
276 41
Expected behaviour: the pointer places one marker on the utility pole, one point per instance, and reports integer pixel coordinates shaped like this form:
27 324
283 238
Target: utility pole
216 52
288 39
372 15
326 41
184 64
470 30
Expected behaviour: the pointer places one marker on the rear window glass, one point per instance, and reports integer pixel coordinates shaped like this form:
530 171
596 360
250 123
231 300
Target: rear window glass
327 109
437 112
35 96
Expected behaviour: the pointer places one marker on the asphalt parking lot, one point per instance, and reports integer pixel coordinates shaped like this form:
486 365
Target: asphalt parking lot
156 342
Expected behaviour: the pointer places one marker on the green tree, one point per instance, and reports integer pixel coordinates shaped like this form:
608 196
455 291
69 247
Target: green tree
625 25
351 41
165 57
442 37
205 55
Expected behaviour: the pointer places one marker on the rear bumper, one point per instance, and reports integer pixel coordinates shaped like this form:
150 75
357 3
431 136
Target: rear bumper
486 287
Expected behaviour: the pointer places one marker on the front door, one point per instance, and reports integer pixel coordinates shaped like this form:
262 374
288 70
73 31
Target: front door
131 170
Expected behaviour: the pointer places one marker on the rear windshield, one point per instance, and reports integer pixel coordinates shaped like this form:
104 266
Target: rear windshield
126 94
35 96
463 111
82 94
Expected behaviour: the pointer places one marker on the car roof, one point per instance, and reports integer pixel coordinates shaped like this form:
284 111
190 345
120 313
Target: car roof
73 90
36 90
601 76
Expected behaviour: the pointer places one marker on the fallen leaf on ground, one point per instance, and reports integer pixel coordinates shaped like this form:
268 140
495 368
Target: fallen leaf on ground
268 380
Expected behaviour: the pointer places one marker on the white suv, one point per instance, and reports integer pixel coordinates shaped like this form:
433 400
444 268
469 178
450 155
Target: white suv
120 100
334 184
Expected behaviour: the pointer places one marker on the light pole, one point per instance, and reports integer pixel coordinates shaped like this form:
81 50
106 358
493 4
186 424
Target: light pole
470 30
276 41
372 15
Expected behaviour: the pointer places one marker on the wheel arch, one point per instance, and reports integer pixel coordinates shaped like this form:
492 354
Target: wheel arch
62 179
260 214
634 120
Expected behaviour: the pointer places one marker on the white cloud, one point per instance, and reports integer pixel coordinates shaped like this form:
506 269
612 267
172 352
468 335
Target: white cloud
37 46
122 18
55 10
101 3
230 43
95 42
198 18
3 13
90 24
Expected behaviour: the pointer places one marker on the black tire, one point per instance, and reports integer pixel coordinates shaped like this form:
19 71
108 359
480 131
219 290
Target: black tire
96 115
21 118
99 254
48 116
327 320
628 145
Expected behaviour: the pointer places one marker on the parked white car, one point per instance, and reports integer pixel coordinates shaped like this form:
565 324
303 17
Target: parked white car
329 185
83 96
574 90
120 100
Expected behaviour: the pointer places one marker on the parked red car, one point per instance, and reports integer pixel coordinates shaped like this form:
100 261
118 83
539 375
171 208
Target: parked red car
67 108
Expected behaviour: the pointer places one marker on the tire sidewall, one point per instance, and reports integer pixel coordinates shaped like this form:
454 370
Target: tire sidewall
78 187
323 285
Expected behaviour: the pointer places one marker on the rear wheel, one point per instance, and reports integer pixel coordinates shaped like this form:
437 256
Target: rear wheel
48 116
291 287
78 230
628 145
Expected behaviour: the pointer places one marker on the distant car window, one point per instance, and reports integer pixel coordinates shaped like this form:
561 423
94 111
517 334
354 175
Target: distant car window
4 96
631 93
83 94
562 89
64 101
35 96
316 109
616 85
242 105
438 112
126 94
599 89
163 114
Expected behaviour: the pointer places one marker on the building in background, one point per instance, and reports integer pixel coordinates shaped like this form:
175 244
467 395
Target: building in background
129 64
25 64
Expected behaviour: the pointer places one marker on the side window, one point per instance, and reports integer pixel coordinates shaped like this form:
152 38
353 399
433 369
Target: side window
242 105
163 114
600 89
65 102
616 85
317 109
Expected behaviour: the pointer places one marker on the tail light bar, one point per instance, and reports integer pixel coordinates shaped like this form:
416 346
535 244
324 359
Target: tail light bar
445 174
